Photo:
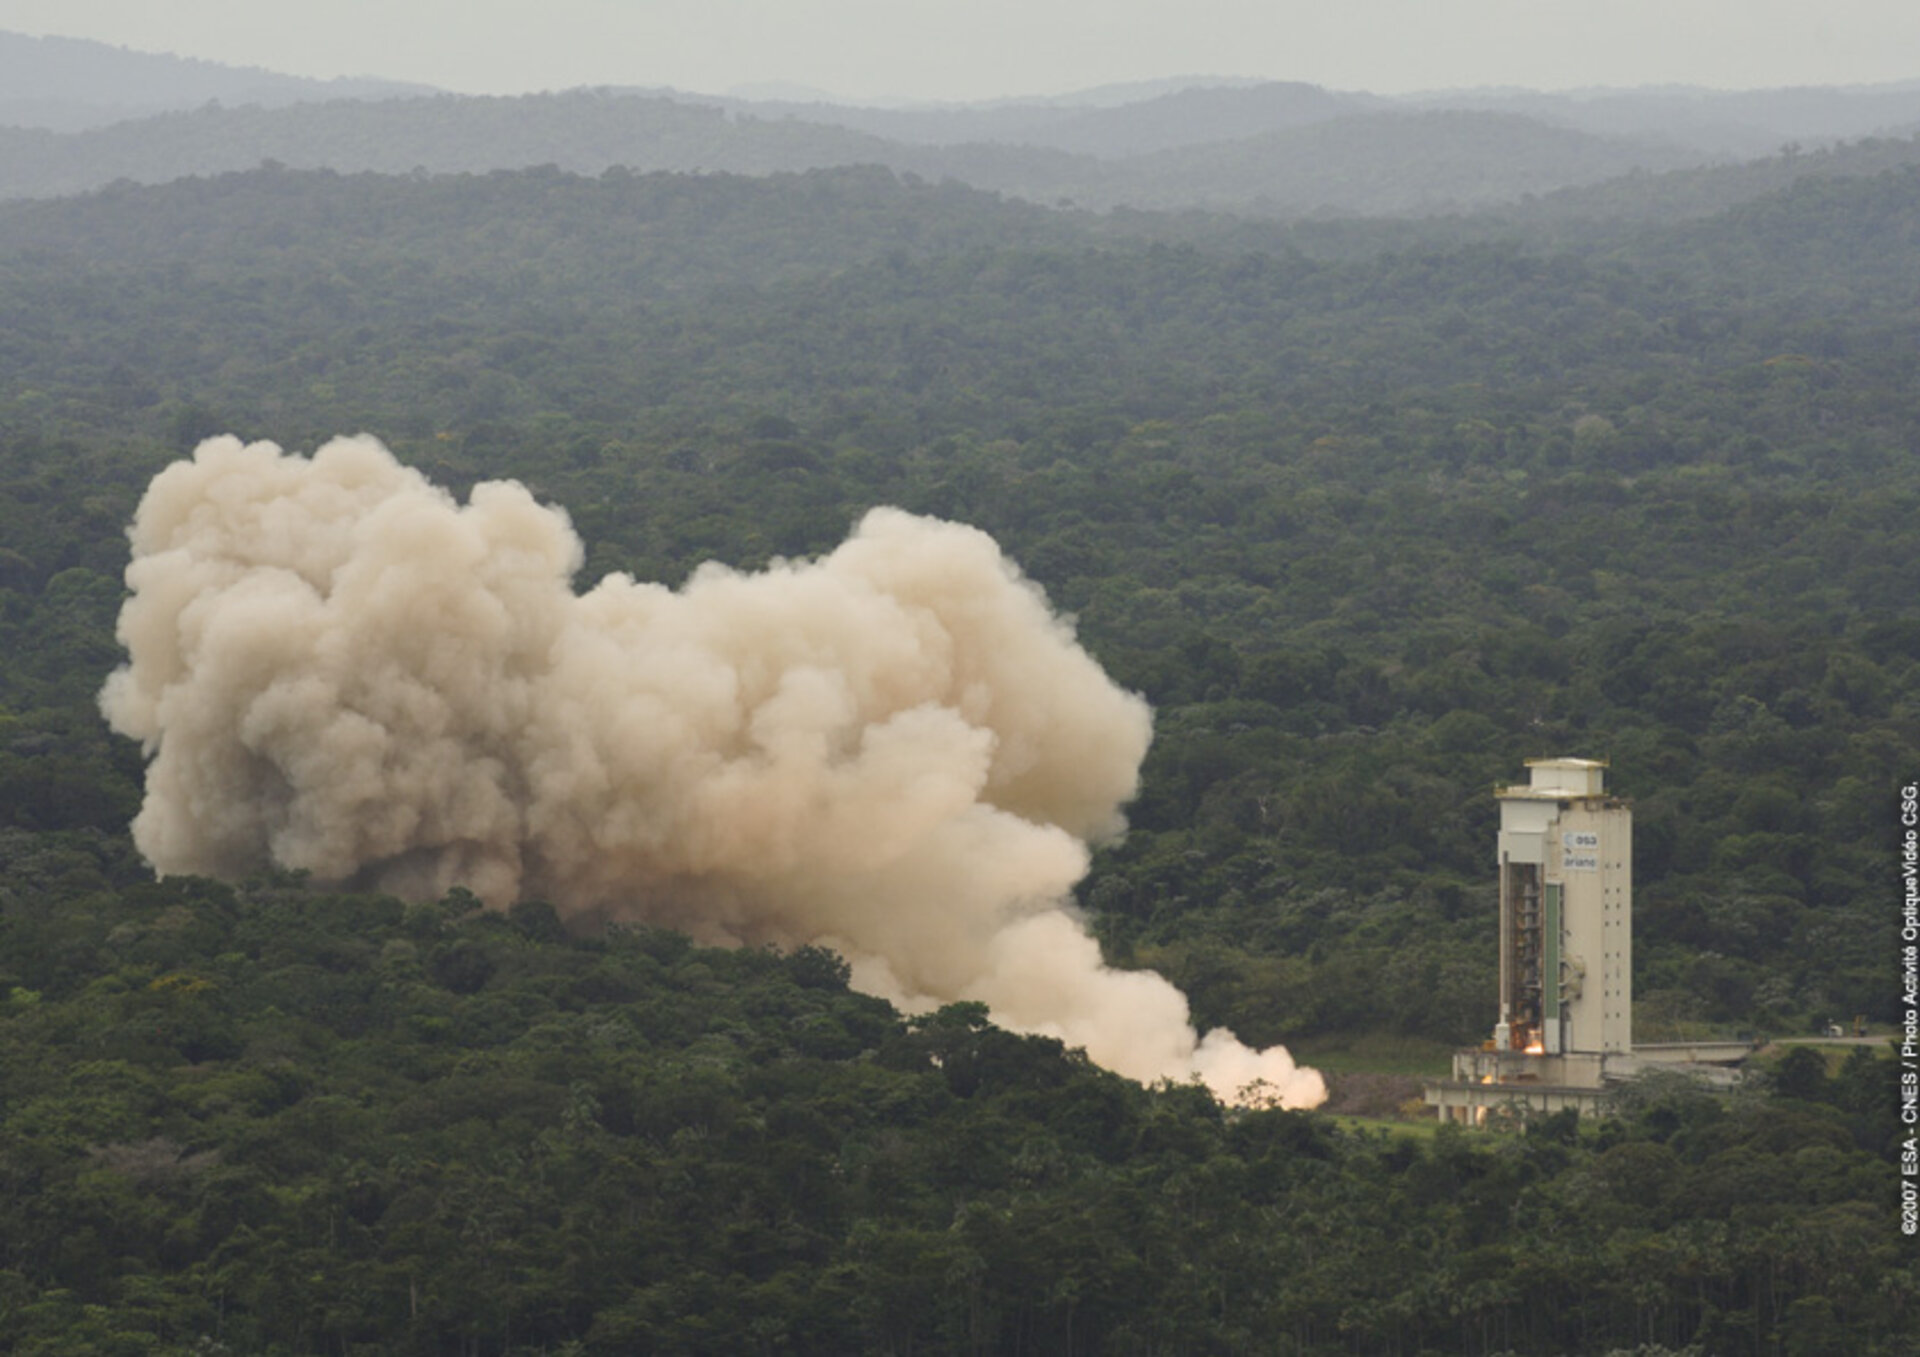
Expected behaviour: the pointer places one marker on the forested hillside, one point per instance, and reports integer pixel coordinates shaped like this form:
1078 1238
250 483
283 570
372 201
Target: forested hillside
1390 525
1368 526
1601 210
1361 162
78 115
274 1119
1740 123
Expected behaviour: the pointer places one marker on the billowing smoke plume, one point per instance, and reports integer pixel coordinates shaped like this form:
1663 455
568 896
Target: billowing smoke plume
896 751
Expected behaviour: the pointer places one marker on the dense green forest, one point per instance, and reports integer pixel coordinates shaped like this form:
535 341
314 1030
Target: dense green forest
272 1119
1369 514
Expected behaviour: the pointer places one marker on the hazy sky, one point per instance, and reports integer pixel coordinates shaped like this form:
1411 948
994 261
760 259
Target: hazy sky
955 49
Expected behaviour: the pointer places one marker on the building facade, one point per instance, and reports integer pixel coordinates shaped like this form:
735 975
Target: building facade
1564 1035
1565 860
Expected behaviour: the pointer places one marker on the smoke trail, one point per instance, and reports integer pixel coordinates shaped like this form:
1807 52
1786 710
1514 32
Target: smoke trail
896 750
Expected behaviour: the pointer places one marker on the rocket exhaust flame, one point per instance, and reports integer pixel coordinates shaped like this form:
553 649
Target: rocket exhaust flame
897 751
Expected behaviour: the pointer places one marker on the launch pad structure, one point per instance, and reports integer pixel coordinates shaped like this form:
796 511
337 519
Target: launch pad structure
1564 1038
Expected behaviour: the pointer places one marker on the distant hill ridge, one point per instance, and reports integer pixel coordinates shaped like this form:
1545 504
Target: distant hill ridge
1192 115
69 84
1359 163
76 115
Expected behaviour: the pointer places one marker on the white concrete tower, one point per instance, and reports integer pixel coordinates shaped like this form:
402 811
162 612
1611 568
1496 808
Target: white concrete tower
1566 913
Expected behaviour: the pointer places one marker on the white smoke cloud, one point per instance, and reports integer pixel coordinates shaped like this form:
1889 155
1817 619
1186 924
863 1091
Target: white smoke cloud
897 750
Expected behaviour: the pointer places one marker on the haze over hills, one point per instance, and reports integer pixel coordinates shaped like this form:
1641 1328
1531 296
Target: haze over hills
1136 120
1359 163
80 115
1095 96
69 84
1688 194
1720 122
